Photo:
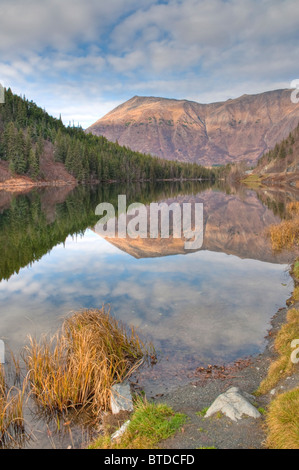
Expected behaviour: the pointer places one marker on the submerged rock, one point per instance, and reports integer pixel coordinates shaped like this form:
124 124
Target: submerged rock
234 403
121 398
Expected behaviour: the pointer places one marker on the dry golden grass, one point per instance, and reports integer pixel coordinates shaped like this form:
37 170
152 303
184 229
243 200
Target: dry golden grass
296 293
11 412
283 421
286 234
283 416
293 208
76 368
283 366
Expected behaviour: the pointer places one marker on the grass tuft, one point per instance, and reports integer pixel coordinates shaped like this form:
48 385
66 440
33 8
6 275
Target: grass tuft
293 208
11 412
296 293
150 424
283 366
202 412
286 233
283 421
296 269
75 369
262 410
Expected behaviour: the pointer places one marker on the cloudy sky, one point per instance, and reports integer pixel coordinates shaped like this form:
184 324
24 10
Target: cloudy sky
83 58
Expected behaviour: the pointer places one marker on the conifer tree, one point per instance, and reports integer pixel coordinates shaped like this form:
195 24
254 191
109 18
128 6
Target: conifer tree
33 163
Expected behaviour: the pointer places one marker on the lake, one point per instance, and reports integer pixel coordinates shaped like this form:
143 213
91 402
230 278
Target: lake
207 306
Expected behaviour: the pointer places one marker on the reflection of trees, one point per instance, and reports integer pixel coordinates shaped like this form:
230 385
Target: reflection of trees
26 235
277 201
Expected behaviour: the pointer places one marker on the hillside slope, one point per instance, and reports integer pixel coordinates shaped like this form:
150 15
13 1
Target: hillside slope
37 149
281 164
208 134
53 173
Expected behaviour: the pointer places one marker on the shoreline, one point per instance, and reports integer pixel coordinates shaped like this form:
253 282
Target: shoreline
221 432
18 185
192 400
192 397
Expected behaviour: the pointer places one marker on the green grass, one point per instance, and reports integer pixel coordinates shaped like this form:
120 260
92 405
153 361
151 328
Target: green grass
296 293
201 430
252 180
150 424
296 269
202 412
283 421
205 448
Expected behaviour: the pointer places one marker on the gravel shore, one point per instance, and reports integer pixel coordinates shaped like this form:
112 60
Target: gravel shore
221 432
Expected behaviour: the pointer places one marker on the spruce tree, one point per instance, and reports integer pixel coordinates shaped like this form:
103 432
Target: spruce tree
20 160
33 163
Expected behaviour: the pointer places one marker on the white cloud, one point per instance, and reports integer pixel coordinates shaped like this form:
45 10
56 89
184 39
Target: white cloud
32 24
247 37
83 58
144 293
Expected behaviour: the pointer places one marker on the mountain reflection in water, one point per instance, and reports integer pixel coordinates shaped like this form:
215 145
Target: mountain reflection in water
211 305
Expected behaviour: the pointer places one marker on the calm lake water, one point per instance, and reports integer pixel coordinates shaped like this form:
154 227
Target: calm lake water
204 307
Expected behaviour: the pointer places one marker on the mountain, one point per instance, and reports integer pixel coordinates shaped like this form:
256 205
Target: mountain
208 134
37 149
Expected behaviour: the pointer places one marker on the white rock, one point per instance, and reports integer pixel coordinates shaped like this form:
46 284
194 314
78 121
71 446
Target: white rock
272 392
121 398
117 435
234 403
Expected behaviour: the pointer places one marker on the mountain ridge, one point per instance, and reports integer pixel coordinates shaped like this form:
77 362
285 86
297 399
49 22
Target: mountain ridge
217 133
36 149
